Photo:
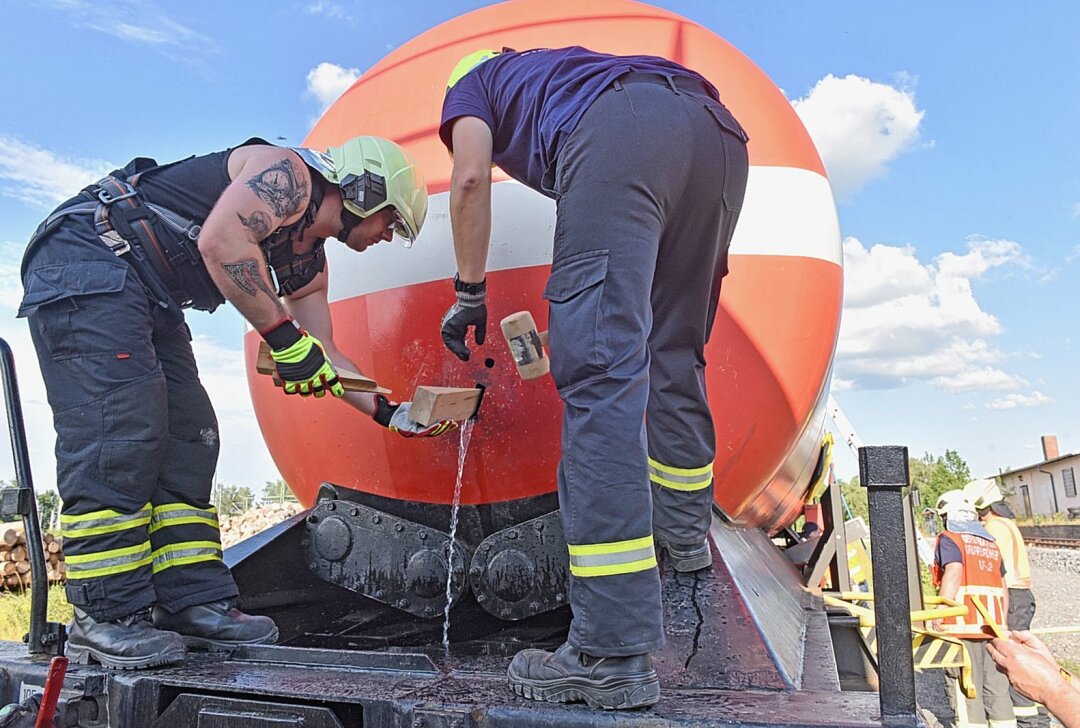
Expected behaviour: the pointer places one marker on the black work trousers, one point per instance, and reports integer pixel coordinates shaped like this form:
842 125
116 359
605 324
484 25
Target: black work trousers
1029 714
648 189
137 438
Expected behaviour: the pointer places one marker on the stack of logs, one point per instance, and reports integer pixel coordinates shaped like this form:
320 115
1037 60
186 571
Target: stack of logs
15 560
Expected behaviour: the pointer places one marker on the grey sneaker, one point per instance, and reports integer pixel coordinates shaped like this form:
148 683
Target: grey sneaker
567 676
687 558
128 643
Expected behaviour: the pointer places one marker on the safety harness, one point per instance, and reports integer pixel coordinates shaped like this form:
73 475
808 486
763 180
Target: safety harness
175 270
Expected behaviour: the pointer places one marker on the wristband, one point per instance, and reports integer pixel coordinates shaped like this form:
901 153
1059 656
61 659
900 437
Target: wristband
472 289
283 335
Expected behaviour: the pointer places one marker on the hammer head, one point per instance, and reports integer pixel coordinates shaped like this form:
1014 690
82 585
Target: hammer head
526 345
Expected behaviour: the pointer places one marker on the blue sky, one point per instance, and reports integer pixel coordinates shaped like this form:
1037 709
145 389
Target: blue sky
949 131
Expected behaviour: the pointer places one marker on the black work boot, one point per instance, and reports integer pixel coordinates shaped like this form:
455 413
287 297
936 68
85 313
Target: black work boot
568 676
686 558
128 643
217 626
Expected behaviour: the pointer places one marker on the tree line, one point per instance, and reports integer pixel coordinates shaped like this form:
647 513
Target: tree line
230 500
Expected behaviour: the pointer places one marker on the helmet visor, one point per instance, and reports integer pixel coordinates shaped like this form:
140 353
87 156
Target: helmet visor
401 229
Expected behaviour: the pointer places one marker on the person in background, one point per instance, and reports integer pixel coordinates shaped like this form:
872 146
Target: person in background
998 518
1033 672
968 568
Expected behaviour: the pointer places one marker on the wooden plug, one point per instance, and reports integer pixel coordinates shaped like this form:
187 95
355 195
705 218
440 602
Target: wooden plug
435 404
352 381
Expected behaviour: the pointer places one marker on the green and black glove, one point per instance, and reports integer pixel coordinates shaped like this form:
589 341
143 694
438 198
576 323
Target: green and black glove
301 362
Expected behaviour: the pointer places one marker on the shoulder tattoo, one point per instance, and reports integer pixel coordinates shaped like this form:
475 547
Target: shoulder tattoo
280 187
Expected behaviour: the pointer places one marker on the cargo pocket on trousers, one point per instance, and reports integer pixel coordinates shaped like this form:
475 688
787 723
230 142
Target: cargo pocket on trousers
51 303
575 293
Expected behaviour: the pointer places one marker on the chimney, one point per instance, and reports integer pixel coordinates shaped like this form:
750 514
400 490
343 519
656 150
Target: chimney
1050 447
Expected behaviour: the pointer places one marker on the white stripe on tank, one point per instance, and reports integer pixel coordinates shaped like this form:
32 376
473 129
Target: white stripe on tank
787 211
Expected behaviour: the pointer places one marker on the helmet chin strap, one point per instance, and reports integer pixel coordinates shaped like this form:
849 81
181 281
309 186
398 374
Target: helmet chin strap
348 222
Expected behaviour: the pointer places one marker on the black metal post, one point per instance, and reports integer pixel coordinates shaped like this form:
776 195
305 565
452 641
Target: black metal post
44 637
883 471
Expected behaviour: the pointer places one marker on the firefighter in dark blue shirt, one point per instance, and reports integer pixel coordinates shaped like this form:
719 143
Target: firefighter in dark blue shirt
648 170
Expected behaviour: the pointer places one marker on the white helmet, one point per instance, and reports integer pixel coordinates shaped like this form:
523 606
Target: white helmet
955 504
982 493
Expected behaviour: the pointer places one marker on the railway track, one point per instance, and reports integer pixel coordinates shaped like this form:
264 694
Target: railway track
1057 543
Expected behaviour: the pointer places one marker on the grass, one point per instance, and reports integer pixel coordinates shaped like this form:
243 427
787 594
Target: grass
15 612
1071 665
1047 520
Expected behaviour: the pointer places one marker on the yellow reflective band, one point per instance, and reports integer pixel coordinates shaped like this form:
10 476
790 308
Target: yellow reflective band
101 522
609 559
669 470
188 552
107 563
1025 711
614 569
178 514
686 479
614 547
171 507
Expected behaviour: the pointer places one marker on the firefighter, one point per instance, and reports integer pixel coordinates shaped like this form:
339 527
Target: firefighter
968 567
105 279
997 517
648 171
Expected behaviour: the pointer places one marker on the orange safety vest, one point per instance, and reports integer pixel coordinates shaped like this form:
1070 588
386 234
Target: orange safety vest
981 579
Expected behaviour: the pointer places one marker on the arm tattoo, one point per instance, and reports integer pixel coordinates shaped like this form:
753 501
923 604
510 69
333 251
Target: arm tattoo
258 223
247 277
279 186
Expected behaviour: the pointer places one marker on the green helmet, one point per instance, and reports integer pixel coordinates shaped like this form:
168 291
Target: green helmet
467 64
374 173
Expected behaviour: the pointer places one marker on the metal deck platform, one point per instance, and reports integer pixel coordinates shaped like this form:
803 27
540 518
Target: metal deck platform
747 646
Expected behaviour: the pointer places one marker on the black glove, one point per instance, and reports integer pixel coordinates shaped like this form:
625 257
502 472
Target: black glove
470 310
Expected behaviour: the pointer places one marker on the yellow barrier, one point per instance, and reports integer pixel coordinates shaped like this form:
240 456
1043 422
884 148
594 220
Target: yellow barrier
930 649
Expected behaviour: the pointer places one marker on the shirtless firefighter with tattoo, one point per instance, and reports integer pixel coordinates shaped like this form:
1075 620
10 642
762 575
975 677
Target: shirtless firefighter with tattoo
106 279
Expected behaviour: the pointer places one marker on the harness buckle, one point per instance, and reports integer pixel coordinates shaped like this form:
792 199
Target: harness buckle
108 199
115 242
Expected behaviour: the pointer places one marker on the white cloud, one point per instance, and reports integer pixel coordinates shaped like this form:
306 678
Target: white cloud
327 81
41 177
329 9
1074 254
859 126
1076 209
905 320
1011 401
978 380
142 23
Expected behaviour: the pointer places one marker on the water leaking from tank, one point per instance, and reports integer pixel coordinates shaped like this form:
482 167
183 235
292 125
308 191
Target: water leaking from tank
463 448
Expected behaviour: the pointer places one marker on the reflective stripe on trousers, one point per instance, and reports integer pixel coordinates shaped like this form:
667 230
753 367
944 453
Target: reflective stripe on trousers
608 559
172 524
178 514
102 522
687 479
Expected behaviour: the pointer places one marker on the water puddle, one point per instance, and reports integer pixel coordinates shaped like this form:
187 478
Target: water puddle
466 435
